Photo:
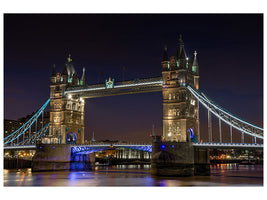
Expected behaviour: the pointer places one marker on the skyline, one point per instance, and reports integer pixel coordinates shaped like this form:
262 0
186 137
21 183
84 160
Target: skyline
105 46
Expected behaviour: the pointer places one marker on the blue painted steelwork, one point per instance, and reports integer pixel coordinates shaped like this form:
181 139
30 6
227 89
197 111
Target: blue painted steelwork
36 136
146 148
25 126
87 149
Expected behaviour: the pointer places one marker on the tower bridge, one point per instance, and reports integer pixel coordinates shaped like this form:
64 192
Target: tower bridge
179 85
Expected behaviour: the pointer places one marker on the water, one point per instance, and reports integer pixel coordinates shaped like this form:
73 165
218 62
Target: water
136 175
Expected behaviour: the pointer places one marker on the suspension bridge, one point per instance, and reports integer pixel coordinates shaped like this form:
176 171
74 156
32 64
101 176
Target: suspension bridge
143 86
179 85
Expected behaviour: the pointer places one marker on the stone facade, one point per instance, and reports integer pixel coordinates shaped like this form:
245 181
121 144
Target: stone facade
180 108
66 111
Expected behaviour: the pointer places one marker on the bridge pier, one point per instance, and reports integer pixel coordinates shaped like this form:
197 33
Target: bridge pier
179 159
51 157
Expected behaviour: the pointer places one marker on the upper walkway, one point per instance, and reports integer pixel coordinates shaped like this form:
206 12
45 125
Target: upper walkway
112 88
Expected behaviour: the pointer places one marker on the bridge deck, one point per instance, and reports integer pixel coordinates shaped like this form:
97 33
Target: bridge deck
119 88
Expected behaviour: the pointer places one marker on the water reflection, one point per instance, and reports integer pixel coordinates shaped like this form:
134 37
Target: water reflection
136 175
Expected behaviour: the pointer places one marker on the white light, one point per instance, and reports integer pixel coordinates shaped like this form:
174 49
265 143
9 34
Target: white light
69 96
187 58
116 86
81 99
169 134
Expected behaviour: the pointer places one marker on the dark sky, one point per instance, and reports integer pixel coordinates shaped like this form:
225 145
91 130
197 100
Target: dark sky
230 56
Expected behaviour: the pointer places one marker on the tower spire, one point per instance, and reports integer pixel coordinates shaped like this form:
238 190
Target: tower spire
83 77
195 63
180 39
69 58
165 55
54 70
93 138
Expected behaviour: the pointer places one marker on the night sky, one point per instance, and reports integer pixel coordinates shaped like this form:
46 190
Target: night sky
230 57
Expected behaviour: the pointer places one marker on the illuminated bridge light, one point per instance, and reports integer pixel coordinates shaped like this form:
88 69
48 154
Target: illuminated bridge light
142 82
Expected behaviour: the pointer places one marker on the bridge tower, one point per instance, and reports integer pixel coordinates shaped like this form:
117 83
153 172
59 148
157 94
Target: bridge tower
180 108
66 111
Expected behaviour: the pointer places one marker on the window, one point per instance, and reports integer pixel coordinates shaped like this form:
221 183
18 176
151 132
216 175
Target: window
170 96
73 106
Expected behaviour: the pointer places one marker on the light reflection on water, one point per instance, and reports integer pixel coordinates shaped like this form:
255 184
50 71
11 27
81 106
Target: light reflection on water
136 175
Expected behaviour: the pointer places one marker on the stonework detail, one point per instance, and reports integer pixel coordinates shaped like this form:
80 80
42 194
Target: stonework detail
66 111
180 108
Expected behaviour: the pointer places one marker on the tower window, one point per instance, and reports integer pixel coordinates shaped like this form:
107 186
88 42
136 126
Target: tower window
73 106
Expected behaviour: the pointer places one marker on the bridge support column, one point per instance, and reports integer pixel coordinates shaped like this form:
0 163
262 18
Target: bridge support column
220 130
209 126
178 159
231 134
51 157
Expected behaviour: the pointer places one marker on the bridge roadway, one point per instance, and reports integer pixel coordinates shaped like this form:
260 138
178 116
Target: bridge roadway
118 88
145 147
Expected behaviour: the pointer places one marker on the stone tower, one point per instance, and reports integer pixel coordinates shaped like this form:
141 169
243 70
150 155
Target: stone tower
180 108
66 111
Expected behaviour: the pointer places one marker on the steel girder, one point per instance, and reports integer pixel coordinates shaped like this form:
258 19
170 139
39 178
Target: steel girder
26 126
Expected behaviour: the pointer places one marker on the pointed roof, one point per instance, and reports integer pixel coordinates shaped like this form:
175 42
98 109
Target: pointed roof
195 63
165 55
182 54
65 71
83 77
69 66
54 71
180 51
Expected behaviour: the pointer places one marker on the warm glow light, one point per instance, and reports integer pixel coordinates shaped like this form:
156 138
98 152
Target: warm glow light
169 134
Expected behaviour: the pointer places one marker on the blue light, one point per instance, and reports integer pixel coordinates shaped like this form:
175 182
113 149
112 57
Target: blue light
163 146
41 147
53 147
172 146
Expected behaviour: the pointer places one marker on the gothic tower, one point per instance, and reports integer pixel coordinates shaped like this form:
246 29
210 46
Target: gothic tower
180 108
66 111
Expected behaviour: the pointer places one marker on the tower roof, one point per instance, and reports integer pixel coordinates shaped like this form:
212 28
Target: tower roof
182 54
180 51
165 55
69 66
83 77
195 63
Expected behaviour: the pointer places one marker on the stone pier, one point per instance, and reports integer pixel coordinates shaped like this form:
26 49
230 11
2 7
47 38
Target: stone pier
179 159
53 157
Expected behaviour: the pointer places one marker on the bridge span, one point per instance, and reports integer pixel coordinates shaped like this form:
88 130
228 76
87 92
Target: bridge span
143 147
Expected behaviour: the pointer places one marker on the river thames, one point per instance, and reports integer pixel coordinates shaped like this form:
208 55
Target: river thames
136 175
